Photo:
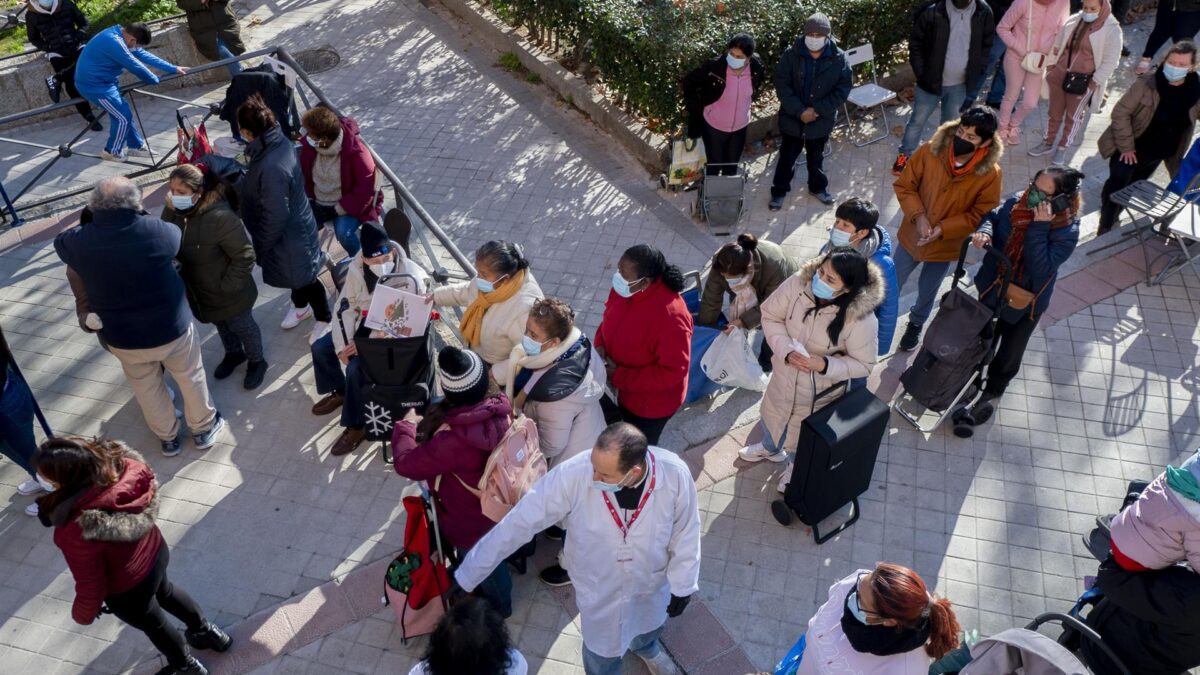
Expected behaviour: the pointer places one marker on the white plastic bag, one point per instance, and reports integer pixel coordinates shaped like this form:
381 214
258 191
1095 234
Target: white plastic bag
731 362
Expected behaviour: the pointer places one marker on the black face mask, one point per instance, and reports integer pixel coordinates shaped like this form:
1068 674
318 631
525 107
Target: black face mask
963 147
961 4
881 640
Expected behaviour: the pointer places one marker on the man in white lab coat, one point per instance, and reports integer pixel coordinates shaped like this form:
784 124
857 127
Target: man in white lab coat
634 549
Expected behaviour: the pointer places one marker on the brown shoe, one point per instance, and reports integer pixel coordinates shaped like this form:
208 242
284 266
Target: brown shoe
328 404
348 441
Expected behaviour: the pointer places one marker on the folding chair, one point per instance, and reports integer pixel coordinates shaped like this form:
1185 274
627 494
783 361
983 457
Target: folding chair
869 95
1184 230
1157 206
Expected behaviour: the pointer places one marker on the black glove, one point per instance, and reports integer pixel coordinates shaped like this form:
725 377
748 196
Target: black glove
677 605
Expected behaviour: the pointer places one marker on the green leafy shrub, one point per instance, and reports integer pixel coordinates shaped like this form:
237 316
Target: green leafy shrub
642 48
101 14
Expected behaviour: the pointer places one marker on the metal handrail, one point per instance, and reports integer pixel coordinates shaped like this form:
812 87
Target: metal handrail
34 50
403 196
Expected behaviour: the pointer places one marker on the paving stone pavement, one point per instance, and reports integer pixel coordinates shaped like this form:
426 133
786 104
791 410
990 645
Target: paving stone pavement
1107 394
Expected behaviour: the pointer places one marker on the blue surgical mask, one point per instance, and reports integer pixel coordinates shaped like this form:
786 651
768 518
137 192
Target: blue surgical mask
855 610
611 487
815 44
531 347
182 203
735 62
486 286
1089 17
839 238
46 4
1174 73
822 290
622 287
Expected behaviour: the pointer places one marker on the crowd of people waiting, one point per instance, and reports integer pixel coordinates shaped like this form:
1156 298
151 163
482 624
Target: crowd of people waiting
600 403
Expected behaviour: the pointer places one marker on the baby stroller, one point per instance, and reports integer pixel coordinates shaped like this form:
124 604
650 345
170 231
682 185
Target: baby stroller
957 348
719 198
397 373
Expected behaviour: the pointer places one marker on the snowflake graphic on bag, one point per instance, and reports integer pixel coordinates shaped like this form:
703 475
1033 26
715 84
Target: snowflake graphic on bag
379 420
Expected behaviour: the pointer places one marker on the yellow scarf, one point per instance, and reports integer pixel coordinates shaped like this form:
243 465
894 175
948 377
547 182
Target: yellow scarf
472 321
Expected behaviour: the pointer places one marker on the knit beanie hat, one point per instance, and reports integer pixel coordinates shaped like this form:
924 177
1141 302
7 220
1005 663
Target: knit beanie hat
818 23
464 379
374 240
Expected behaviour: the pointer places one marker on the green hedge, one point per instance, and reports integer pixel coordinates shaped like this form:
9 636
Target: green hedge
642 49
101 14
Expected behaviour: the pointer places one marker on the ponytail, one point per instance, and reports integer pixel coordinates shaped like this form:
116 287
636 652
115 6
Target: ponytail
943 629
651 264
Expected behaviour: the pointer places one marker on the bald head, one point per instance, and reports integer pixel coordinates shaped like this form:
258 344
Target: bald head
626 441
116 192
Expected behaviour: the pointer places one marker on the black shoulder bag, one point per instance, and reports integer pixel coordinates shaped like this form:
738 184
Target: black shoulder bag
1074 83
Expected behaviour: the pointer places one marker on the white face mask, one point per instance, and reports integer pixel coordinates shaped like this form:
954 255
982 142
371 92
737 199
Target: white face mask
737 281
382 269
839 238
734 62
815 44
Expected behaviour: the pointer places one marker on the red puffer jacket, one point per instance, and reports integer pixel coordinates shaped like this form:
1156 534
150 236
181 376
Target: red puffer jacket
649 337
361 197
108 536
461 450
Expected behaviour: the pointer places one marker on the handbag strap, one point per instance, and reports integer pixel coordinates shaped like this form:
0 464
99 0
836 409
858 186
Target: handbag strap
1028 26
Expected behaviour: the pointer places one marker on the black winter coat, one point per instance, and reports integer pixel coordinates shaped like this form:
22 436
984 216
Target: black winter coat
704 85
274 90
828 91
216 259
1151 620
276 213
930 35
62 32
208 21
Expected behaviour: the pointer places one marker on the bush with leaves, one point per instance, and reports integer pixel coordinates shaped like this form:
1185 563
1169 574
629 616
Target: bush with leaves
642 48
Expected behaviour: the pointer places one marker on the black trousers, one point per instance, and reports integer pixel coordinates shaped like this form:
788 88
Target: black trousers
314 296
142 607
1170 24
785 168
764 356
652 427
1013 338
64 70
721 147
1120 176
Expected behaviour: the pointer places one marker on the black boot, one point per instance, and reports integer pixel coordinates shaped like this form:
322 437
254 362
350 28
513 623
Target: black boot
193 667
256 371
95 123
225 368
911 337
211 637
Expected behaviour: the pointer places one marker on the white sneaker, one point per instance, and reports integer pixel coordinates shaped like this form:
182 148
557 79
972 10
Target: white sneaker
294 316
661 664
320 328
30 487
32 510
143 153
784 479
759 452
108 156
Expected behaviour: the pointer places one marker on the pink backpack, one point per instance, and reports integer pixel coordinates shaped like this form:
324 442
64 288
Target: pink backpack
512 469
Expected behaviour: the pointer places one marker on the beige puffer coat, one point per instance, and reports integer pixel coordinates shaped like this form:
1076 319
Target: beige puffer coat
786 318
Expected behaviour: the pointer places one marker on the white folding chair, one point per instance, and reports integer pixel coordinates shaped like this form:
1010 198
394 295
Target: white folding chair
868 95
1185 231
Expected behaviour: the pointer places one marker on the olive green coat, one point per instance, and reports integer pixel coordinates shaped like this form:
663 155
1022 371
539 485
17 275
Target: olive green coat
208 20
771 268
216 259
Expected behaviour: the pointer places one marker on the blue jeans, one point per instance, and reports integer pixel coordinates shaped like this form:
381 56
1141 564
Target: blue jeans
928 283
771 444
645 645
122 131
345 228
327 371
924 103
234 68
497 587
16 423
995 64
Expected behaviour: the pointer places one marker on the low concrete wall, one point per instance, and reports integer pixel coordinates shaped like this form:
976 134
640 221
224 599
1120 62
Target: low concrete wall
651 149
23 80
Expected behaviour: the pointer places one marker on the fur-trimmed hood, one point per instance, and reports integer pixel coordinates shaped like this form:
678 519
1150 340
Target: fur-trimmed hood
871 296
121 513
945 135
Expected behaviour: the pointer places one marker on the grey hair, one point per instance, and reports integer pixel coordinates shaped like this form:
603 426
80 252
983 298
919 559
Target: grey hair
116 192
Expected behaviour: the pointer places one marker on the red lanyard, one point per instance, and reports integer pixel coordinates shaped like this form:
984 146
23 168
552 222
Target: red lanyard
624 527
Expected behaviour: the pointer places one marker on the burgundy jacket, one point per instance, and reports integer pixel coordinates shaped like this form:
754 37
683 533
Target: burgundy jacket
108 537
461 450
360 197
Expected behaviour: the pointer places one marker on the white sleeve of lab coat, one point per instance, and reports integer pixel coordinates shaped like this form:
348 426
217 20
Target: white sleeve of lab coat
683 568
544 505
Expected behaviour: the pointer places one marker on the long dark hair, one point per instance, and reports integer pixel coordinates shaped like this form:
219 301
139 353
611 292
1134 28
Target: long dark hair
851 266
735 257
470 638
651 264
435 414
74 464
